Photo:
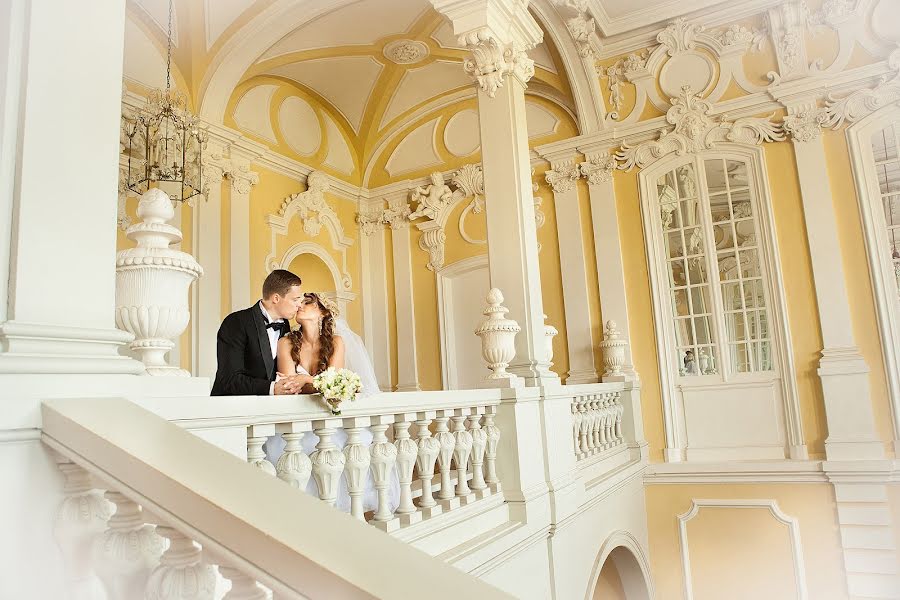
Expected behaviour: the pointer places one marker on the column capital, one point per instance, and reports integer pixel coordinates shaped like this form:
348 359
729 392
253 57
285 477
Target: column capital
397 213
563 176
497 33
598 168
805 119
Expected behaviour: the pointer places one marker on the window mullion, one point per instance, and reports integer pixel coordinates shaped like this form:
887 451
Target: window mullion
718 313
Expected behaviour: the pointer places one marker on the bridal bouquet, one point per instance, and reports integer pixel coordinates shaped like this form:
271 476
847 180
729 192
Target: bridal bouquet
336 386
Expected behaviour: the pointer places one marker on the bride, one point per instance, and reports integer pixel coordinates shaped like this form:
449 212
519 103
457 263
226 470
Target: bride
323 340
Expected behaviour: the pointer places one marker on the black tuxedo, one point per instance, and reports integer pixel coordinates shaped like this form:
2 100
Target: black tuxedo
244 355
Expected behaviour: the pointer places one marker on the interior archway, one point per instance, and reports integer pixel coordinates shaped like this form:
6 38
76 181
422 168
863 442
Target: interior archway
314 272
621 578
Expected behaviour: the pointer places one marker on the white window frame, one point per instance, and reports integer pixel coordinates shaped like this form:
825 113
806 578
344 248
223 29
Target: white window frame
783 372
881 267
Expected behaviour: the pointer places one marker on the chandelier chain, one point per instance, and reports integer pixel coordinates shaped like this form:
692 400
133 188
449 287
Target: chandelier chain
169 54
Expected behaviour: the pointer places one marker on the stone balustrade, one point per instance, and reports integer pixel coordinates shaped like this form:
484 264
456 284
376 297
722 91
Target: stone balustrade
596 423
442 458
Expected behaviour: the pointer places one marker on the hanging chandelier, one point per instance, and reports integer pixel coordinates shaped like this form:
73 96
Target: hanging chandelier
164 143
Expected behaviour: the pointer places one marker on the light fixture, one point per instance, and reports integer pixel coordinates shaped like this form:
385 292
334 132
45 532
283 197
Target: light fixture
164 142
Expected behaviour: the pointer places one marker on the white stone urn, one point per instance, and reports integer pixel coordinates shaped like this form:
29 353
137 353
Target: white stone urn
550 332
152 282
498 337
613 348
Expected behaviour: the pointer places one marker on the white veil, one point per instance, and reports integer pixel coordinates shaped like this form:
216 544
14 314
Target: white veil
356 358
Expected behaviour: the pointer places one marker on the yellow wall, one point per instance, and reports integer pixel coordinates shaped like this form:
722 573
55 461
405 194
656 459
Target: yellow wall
726 544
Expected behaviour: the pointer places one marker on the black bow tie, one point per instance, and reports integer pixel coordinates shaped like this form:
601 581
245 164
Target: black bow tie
281 326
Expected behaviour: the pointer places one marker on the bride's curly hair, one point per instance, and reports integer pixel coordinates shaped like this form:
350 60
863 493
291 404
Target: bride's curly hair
326 334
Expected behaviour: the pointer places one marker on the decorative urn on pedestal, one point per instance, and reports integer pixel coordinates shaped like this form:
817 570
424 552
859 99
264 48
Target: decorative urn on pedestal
613 348
550 332
498 340
152 282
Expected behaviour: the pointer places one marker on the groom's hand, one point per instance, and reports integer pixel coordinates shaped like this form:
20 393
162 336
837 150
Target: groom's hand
287 385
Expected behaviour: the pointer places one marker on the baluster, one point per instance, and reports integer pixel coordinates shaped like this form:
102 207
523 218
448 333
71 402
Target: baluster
592 418
181 574
585 426
461 451
293 465
127 551
243 587
479 444
445 456
256 456
327 460
576 428
602 413
356 464
407 452
384 456
493 440
428 450
620 412
597 423
80 518
610 420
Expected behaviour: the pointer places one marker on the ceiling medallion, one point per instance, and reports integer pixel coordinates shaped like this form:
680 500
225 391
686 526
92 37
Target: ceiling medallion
405 52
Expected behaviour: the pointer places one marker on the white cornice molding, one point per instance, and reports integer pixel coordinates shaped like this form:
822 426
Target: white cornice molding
787 471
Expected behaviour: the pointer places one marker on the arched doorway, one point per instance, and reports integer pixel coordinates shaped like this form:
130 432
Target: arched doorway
621 571
316 275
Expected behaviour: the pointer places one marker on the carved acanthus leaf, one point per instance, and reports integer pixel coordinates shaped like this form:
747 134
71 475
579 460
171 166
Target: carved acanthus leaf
679 36
805 124
598 168
563 176
860 103
491 62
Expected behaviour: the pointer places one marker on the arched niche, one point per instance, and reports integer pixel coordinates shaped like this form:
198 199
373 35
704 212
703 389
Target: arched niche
621 571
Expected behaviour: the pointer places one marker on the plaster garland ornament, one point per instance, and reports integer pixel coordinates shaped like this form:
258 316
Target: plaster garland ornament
563 176
622 70
582 28
405 52
152 282
787 27
696 130
861 103
539 217
831 14
598 168
241 177
498 335
492 62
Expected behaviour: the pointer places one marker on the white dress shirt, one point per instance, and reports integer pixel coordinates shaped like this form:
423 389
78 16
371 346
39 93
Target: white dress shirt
273 338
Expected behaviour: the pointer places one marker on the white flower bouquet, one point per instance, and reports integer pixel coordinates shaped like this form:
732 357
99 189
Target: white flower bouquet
336 386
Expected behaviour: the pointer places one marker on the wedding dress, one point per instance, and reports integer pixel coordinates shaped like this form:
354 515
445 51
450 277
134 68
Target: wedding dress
356 359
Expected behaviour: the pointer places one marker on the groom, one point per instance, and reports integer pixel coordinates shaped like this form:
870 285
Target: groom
247 340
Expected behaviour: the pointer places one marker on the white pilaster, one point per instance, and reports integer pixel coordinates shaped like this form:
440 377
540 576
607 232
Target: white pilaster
207 241
563 179
598 168
397 215
842 368
242 182
497 33
374 291
62 235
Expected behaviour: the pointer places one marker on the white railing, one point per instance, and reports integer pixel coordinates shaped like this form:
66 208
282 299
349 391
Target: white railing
229 515
219 515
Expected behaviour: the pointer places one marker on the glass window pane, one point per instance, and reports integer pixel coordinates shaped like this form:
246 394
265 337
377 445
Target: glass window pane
718 205
715 175
731 296
681 302
749 263
676 269
740 204
690 212
687 359
884 144
740 358
697 271
687 181
694 239
728 266
736 327
707 360
762 355
700 300
684 335
737 174
703 330
674 247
